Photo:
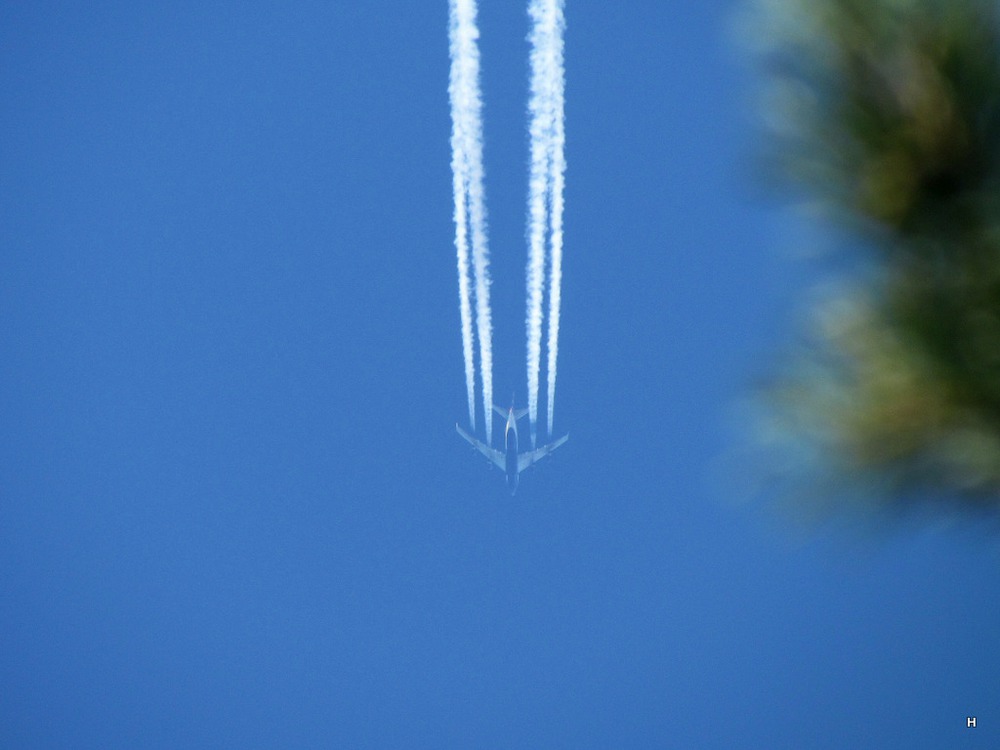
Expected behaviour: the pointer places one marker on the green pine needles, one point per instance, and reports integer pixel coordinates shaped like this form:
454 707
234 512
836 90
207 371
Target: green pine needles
887 114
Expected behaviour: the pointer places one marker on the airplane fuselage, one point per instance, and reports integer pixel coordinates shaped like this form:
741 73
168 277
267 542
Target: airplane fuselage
510 435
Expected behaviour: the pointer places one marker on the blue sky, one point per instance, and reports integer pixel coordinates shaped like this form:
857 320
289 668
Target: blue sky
234 511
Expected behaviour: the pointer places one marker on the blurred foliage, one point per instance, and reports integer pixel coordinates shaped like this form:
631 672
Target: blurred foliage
887 113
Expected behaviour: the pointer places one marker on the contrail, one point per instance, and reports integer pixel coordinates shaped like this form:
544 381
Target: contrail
470 210
539 107
462 245
457 93
545 192
555 268
558 167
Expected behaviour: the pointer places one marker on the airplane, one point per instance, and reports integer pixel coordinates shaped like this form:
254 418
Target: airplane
512 462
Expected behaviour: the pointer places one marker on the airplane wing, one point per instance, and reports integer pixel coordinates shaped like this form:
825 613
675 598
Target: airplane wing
491 453
524 460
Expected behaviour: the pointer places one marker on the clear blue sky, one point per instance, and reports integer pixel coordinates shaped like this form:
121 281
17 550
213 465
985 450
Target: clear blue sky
234 511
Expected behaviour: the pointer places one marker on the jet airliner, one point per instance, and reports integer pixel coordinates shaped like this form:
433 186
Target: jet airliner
509 460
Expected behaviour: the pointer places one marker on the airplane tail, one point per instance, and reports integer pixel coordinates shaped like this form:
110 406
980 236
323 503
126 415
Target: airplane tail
518 413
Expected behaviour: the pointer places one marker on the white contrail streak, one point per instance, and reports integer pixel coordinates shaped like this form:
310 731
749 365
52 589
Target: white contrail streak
545 192
470 210
555 267
558 167
462 245
457 93
539 108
